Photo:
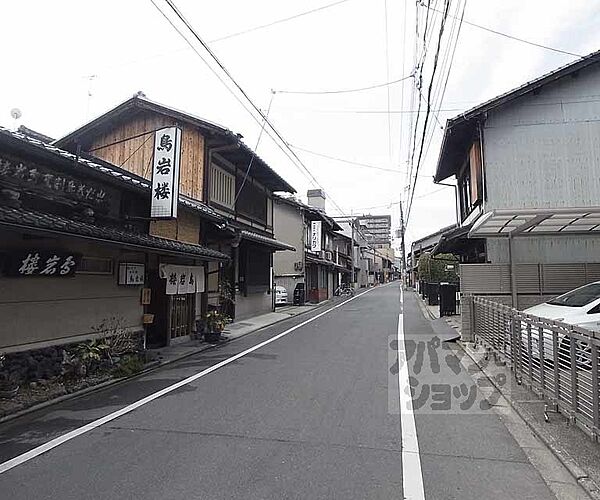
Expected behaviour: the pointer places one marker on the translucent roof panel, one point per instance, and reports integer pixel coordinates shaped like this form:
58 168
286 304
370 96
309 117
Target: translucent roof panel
535 222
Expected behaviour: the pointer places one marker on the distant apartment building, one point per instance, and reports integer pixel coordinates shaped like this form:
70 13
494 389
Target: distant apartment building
377 229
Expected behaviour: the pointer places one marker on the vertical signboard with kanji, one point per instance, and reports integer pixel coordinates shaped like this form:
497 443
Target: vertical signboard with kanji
315 236
165 173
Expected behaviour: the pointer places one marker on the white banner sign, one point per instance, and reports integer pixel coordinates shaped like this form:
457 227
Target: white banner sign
315 236
183 279
165 173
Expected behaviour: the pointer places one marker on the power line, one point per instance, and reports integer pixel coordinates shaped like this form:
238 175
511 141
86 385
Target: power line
220 39
402 86
518 39
428 101
419 83
343 91
366 111
262 129
278 21
296 161
236 97
392 203
387 73
443 92
364 165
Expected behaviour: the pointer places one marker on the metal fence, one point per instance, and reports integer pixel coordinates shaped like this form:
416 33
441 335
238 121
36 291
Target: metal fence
558 361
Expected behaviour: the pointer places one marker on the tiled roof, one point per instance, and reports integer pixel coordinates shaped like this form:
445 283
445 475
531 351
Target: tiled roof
290 200
29 219
107 169
265 240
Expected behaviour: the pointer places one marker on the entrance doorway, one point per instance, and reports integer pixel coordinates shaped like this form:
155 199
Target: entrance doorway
181 315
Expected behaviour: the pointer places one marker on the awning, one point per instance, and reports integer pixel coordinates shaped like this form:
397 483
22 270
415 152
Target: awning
341 269
315 260
265 240
537 222
22 219
452 240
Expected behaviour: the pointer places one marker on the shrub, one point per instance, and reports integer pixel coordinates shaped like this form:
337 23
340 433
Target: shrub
128 366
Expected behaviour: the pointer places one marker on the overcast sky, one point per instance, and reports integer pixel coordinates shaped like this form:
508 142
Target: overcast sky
50 50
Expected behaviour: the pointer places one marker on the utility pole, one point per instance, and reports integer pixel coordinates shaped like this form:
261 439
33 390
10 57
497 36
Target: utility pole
402 247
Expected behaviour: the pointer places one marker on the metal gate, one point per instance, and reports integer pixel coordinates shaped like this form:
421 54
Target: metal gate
181 315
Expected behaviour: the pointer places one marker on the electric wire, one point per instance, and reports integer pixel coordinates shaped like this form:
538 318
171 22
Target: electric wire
523 40
350 162
254 151
278 21
344 91
387 77
428 100
284 146
443 92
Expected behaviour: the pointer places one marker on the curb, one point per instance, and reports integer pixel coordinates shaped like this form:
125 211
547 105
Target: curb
579 474
424 309
154 365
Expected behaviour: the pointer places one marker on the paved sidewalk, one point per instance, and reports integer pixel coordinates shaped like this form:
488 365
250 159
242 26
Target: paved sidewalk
233 331
576 451
433 313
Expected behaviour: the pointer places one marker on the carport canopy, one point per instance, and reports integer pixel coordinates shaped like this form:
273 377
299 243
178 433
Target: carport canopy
537 222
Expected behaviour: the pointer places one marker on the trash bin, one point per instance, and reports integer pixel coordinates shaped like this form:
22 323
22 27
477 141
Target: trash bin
299 295
433 293
447 299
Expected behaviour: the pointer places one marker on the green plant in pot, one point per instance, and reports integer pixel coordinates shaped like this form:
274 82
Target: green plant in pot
8 388
215 322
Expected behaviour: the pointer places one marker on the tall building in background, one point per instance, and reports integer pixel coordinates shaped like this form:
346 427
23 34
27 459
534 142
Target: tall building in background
377 232
376 229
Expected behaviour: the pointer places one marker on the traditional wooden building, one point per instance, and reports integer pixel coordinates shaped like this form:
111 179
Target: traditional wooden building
217 171
80 255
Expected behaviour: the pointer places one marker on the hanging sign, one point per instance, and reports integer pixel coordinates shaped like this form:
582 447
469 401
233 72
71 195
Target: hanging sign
315 236
183 279
165 173
200 279
42 263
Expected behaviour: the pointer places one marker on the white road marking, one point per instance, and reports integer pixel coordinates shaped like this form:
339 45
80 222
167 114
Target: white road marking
412 476
25 457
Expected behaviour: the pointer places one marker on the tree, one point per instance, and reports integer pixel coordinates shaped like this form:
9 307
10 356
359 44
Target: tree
442 267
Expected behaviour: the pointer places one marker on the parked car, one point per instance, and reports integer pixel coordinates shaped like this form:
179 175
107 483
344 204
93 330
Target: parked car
579 307
281 296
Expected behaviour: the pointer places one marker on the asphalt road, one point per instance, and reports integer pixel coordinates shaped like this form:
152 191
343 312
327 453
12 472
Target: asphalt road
313 415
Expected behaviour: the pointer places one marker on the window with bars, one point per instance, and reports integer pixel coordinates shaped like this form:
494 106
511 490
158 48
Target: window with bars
222 187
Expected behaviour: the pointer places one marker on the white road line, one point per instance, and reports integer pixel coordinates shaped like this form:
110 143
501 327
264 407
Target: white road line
412 476
25 457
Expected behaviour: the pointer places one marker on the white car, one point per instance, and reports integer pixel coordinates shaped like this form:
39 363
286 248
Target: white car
281 296
579 307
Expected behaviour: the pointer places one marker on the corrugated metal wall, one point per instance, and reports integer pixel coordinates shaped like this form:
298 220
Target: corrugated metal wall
535 282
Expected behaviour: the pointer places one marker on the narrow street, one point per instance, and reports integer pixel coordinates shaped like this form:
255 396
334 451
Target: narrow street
313 414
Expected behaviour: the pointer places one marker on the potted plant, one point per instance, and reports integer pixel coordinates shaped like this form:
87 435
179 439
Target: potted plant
215 322
8 388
